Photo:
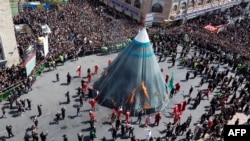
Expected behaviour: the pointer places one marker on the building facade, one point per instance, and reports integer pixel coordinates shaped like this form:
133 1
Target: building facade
9 54
168 9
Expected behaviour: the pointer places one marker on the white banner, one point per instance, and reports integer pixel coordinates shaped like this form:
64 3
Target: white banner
46 45
149 20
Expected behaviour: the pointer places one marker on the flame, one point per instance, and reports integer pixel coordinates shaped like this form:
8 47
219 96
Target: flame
132 97
145 91
146 106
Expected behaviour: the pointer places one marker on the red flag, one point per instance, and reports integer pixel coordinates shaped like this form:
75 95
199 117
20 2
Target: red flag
79 70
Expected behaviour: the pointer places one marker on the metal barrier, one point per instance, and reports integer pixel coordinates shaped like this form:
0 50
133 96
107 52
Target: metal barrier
4 95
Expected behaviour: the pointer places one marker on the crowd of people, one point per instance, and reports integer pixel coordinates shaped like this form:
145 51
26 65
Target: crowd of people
77 27
232 40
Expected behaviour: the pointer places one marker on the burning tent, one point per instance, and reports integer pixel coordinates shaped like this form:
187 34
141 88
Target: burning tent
134 79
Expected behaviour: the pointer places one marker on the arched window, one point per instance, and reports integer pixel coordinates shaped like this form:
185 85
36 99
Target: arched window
208 1
200 2
191 3
128 1
157 8
175 8
183 5
137 4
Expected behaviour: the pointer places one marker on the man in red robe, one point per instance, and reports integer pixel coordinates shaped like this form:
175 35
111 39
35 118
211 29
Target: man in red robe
92 116
157 119
179 108
96 69
175 110
166 78
127 116
177 87
184 104
208 93
92 102
120 110
177 118
85 87
89 77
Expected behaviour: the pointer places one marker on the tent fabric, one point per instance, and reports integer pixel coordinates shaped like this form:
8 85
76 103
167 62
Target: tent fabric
134 79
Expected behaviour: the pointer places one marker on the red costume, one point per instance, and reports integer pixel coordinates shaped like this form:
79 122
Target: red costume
96 69
89 77
166 79
207 93
177 86
127 116
175 111
184 104
85 86
92 115
179 108
210 123
177 118
92 102
120 110
157 118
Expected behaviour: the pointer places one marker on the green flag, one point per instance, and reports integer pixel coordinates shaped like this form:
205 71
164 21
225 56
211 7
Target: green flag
171 82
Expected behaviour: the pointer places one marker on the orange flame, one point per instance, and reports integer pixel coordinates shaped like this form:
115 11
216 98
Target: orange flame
144 90
146 106
132 97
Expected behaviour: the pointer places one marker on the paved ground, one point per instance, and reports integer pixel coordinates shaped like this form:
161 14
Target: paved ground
51 95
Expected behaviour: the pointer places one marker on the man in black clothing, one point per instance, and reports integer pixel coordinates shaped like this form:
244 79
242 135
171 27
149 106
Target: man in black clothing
26 136
57 77
9 130
80 136
139 117
29 103
39 110
114 134
92 124
131 131
63 112
43 135
190 90
68 78
68 97
57 118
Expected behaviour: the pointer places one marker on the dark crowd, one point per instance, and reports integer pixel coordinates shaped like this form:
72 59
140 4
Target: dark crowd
78 28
